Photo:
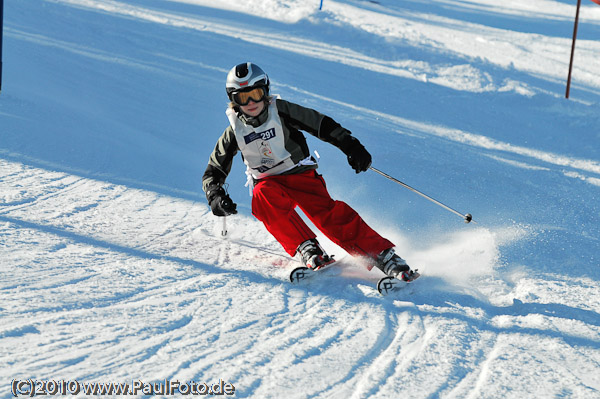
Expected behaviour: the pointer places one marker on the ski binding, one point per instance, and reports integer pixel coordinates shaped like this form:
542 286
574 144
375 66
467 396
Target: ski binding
388 284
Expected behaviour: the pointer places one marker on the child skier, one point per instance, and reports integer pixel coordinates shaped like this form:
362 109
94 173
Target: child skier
267 132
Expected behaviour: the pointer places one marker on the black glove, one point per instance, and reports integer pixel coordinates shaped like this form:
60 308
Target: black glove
358 157
220 202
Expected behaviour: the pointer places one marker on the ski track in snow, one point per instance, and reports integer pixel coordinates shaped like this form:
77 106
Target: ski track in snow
116 276
491 45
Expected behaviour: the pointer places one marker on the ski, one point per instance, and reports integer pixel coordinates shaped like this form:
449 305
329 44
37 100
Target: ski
303 272
388 284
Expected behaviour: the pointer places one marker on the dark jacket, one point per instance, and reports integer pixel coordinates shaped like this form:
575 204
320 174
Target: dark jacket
294 118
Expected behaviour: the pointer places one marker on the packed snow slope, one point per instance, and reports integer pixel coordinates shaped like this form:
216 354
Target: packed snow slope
113 268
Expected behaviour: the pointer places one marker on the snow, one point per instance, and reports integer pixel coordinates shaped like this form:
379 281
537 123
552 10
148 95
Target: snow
113 268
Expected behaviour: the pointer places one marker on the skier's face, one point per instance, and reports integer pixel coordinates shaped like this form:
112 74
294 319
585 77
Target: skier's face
253 108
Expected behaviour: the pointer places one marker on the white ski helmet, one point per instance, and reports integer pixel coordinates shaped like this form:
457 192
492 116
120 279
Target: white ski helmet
245 77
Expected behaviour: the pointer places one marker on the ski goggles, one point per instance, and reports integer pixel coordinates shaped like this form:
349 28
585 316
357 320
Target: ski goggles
243 97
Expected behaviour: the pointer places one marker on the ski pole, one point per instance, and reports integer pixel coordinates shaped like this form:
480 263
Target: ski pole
224 228
226 203
468 217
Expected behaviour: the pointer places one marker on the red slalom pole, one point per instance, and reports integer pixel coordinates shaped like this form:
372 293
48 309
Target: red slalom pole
573 48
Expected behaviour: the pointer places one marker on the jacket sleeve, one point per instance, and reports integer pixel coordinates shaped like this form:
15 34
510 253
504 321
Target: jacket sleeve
317 124
220 161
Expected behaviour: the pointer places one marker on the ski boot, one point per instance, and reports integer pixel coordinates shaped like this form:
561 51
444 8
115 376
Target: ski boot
313 255
394 266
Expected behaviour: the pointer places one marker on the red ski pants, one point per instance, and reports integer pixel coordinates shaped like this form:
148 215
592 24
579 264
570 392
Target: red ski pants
276 197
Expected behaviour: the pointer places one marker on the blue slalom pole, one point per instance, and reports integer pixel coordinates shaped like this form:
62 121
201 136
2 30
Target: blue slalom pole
321 5
1 30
